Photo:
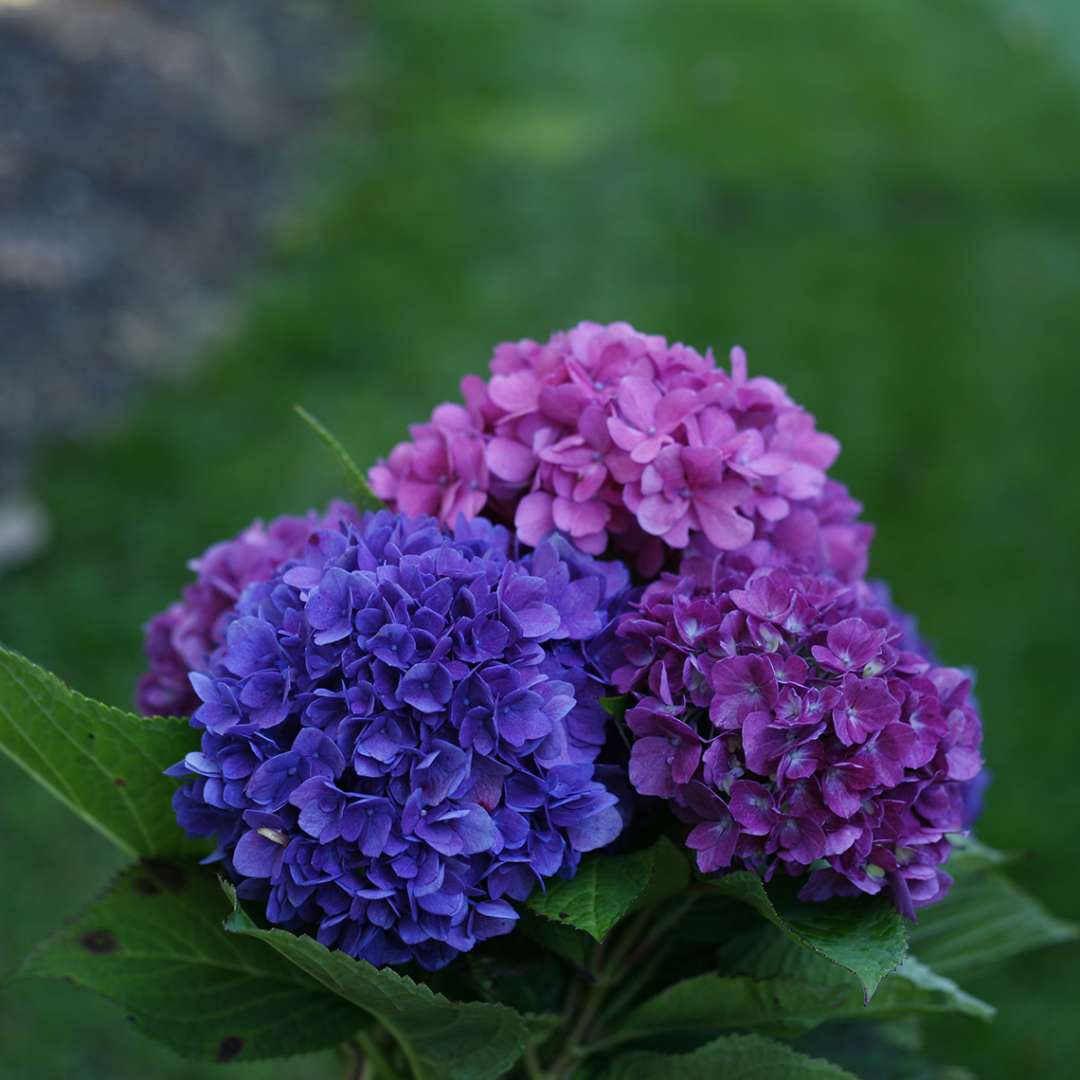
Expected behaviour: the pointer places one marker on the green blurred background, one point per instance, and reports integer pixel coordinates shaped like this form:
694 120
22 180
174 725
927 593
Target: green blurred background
880 200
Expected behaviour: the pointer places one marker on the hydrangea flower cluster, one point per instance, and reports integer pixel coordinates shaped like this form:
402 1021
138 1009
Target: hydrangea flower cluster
604 433
180 639
401 722
788 720
401 732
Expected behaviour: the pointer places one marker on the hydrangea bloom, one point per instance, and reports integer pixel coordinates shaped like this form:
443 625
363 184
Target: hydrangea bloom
607 433
791 726
401 733
180 639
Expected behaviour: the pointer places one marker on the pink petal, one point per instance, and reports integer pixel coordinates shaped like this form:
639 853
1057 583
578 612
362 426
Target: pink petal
534 521
449 418
462 498
715 426
703 466
591 481
647 449
622 469
658 515
622 434
667 471
580 519
675 407
510 460
467 460
593 544
638 399
801 482
772 507
564 404
415 498
678 536
429 460
474 391
570 452
516 393
771 464
593 428
725 528
383 481
738 365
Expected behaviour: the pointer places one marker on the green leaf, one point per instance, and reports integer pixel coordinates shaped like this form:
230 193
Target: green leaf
531 982
574 946
154 944
669 876
865 936
984 919
607 887
105 764
711 1003
891 1050
604 889
733 1057
970 854
616 707
443 1040
912 988
362 494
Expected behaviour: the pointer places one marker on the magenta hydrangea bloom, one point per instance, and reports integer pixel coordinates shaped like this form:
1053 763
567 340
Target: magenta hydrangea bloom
180 639
401 735
607 434
791 725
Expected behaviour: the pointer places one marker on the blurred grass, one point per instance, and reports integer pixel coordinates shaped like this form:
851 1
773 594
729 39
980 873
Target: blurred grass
879 200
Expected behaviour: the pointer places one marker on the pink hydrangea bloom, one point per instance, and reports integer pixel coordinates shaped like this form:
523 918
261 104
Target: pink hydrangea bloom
181 638
605 434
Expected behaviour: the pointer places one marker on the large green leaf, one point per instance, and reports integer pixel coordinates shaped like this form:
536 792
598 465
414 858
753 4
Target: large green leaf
733 1057
443 1040
361 491
104 763
711 1003
769 954
154 944
985 919
891 1050
863 936
608 887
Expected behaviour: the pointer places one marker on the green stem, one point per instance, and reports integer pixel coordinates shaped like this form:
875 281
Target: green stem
593 998
629 967
628 942
570 1055
533 1069
632 988
376 1064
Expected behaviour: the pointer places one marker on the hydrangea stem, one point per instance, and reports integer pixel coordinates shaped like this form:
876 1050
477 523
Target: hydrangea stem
365 1059
620 973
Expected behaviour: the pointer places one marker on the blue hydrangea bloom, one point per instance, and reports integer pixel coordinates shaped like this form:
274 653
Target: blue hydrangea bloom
401 733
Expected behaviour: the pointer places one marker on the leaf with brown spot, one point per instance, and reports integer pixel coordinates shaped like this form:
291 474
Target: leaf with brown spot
98 941
229 1047
169 874
155 945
